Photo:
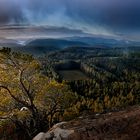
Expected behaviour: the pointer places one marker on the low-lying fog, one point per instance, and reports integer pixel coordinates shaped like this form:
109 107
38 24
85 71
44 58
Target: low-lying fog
23 34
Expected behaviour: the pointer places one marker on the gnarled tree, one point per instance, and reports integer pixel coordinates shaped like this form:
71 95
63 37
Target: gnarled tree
29 99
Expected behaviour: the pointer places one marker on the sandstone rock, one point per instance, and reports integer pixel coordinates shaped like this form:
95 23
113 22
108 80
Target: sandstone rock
40 136
121 125
56 133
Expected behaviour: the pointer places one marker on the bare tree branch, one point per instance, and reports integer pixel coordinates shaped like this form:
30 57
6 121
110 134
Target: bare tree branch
24 103
28 92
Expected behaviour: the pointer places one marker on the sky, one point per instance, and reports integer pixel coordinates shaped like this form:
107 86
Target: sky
107 17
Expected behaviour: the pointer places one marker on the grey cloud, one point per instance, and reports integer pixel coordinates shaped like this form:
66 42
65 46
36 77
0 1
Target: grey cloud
116 15
10 11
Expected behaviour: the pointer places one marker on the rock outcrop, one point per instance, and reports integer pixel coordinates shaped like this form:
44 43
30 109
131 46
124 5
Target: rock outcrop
121 125
57 132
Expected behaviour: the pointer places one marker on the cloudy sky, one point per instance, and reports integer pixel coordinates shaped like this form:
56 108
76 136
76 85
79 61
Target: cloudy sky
108 17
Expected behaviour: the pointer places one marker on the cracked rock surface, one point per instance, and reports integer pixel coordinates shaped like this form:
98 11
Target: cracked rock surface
121 125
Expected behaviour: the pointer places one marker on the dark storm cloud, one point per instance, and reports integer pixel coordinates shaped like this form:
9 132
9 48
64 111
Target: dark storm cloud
116 14
10 11
111 14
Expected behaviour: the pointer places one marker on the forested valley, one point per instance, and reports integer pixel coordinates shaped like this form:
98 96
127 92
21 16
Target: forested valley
38 92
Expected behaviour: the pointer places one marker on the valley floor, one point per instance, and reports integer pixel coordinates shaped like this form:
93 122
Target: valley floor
72 75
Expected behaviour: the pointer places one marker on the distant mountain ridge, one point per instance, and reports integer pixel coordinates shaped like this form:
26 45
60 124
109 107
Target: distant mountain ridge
44 45
102 41
62 43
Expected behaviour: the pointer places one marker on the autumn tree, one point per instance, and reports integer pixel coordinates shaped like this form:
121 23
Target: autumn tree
29 99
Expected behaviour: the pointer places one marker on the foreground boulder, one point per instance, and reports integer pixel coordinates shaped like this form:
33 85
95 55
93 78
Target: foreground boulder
56 133
121 125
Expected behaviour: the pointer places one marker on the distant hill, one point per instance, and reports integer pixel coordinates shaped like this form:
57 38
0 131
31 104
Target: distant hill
61 43
108 42
40 46
36 50
43 46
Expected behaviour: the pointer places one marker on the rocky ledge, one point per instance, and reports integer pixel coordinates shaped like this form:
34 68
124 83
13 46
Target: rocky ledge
121 125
